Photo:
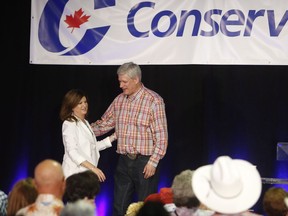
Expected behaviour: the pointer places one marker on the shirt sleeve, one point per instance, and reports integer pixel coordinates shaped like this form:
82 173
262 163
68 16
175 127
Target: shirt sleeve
160 132
106 123
103 144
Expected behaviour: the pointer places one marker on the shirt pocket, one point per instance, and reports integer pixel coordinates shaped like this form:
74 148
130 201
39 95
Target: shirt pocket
143 125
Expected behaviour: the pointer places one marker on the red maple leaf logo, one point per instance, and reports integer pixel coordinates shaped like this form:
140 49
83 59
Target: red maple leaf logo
76 20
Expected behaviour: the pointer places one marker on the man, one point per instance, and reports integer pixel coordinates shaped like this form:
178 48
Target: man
50 183
139 119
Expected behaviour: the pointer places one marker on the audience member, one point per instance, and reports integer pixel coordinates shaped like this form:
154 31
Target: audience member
50 183
134 208
22 194
165 196
83 185
152 208
3 203
274 202
187 204
81 148
228 186
78 208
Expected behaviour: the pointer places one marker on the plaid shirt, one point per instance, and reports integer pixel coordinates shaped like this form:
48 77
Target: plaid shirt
140 124
3 203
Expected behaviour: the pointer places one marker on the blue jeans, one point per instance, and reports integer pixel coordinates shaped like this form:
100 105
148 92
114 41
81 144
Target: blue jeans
129 181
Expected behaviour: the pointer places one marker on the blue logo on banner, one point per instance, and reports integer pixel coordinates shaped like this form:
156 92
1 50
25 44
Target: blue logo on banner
48 32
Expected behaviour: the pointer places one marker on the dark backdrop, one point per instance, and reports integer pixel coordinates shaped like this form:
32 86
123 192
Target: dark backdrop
212 110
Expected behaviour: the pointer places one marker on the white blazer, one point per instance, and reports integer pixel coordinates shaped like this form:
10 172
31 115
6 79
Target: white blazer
80 144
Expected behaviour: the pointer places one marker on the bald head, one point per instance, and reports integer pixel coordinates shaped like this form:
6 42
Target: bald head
49 177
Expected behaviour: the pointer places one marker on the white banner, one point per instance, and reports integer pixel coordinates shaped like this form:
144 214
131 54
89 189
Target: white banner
110 32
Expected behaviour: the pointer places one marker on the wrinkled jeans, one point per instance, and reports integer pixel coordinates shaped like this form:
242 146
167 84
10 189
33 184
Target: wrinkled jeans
129 181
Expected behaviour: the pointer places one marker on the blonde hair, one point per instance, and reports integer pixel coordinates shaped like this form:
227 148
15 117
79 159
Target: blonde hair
134 208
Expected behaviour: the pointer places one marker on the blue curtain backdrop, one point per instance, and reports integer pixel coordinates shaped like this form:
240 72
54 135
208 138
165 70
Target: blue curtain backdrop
239 111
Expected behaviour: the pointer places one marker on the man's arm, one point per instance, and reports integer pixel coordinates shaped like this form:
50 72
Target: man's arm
105 124
160 135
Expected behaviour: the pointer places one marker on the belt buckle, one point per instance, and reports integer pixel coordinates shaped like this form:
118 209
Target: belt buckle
132 156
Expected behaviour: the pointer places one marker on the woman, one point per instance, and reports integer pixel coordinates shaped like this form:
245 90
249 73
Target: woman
81 148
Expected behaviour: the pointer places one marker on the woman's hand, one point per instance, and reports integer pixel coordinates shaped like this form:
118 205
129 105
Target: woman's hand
99 173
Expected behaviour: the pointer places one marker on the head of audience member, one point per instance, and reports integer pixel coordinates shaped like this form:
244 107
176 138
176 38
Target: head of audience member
134 208
49 181
3 202
23 193
153 208
165 196
78 208
184 198
82 185
228 186
274 202
183 194
49 178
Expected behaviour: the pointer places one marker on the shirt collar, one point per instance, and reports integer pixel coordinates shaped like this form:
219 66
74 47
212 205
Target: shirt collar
137 94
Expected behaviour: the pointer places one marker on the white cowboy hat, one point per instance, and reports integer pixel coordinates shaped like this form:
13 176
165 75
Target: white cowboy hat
227 186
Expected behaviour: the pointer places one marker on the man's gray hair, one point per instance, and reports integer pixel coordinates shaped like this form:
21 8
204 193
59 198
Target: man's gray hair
131 69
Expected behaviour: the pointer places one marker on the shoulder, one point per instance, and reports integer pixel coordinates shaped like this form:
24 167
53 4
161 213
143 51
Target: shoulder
249 213
66 122
119 99
153 95
22 211
3 195
120 96
3 202
69 125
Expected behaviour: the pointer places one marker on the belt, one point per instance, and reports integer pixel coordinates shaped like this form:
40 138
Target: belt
132 156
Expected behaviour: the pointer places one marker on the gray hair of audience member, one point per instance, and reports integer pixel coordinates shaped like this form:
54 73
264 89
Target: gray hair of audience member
131 69
78 208
183 194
